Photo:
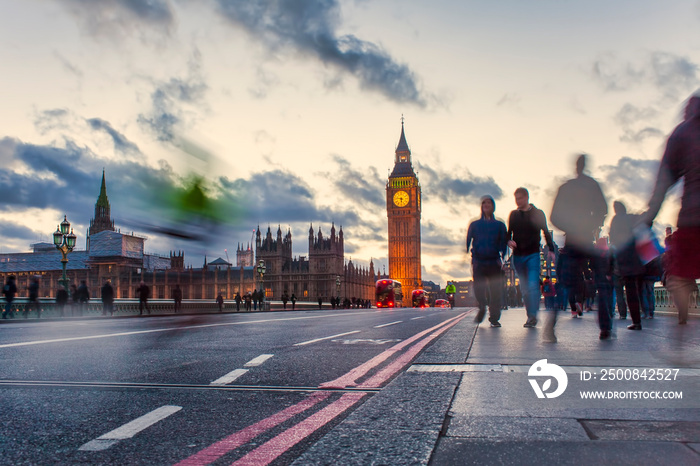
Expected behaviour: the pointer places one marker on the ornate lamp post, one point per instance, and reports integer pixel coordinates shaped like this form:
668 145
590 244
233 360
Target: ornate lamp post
261 271
337 288
64 242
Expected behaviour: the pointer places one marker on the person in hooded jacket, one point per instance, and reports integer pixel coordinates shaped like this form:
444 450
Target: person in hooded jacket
487 240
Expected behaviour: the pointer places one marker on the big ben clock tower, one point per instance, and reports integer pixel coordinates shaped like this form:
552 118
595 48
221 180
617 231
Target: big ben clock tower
403 208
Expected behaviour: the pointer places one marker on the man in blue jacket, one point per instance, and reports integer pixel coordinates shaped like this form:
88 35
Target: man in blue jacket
488 240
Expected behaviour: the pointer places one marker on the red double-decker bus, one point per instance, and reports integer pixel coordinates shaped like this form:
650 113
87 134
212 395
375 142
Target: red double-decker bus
388 293
420 298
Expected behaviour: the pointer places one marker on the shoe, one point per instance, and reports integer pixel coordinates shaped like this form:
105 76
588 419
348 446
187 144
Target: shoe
531 323
495 324
479 318
548 335
651 316
574 314
605 335
683 322
623 318
634 327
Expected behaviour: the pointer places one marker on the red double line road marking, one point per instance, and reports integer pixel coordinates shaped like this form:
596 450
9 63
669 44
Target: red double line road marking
275 447
350 379
233 441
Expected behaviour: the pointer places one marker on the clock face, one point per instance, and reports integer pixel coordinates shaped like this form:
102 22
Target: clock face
401 198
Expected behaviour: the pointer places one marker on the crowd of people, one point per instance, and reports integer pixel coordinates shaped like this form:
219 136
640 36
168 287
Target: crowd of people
587 265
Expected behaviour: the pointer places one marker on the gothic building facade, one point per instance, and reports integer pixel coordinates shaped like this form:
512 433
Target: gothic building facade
403 208
323 274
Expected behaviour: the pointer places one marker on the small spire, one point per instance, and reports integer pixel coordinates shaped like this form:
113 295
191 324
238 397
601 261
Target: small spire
102 200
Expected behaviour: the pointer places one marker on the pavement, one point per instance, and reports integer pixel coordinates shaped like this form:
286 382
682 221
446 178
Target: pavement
468 399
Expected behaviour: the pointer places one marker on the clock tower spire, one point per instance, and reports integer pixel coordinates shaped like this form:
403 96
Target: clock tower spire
403 208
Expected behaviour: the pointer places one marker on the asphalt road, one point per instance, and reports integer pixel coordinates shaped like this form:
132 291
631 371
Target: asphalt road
257 388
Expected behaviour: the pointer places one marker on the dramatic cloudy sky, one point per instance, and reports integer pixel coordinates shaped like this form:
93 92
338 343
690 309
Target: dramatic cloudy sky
290 111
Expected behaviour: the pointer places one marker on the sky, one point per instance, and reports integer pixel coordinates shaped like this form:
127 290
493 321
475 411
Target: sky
288 114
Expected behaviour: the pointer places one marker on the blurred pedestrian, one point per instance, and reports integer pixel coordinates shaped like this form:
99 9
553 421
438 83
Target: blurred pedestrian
74 297
177 298
107 293
681 159
294 301
320 302
255 296
143 292
579 211
524 227
9 291
238 300
285 299
487 240
83 296
33 298
220 302
61 299
629 265
248 299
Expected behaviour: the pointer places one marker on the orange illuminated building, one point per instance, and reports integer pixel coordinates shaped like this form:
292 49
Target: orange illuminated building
403 209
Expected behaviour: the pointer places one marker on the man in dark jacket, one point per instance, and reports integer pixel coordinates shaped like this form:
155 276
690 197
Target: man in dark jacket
487 238
524 226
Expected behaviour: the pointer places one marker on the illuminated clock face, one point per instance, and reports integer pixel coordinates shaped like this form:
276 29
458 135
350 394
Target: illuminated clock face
401 198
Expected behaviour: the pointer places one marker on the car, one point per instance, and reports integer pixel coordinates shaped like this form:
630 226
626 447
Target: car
442 303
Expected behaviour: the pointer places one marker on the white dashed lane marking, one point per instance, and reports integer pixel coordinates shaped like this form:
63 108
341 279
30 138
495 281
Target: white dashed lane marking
129 429
230 377
325 338
390 323
258 361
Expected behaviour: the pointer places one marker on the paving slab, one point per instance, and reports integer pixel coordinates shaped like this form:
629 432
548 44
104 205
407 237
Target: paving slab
458 451
516 428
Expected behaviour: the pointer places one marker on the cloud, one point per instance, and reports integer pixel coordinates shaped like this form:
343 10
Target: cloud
630 178
673 76
363 186
434 234
121 143
454 185
121 18
175 103
309 27
51 177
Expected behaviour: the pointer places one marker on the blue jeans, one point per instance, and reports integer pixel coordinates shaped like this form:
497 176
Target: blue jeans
528 269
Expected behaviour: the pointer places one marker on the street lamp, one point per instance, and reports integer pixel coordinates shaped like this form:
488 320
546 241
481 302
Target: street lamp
64 242
337 288
261 271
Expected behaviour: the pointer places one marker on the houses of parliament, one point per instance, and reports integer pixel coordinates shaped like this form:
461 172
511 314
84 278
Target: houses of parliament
120 258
